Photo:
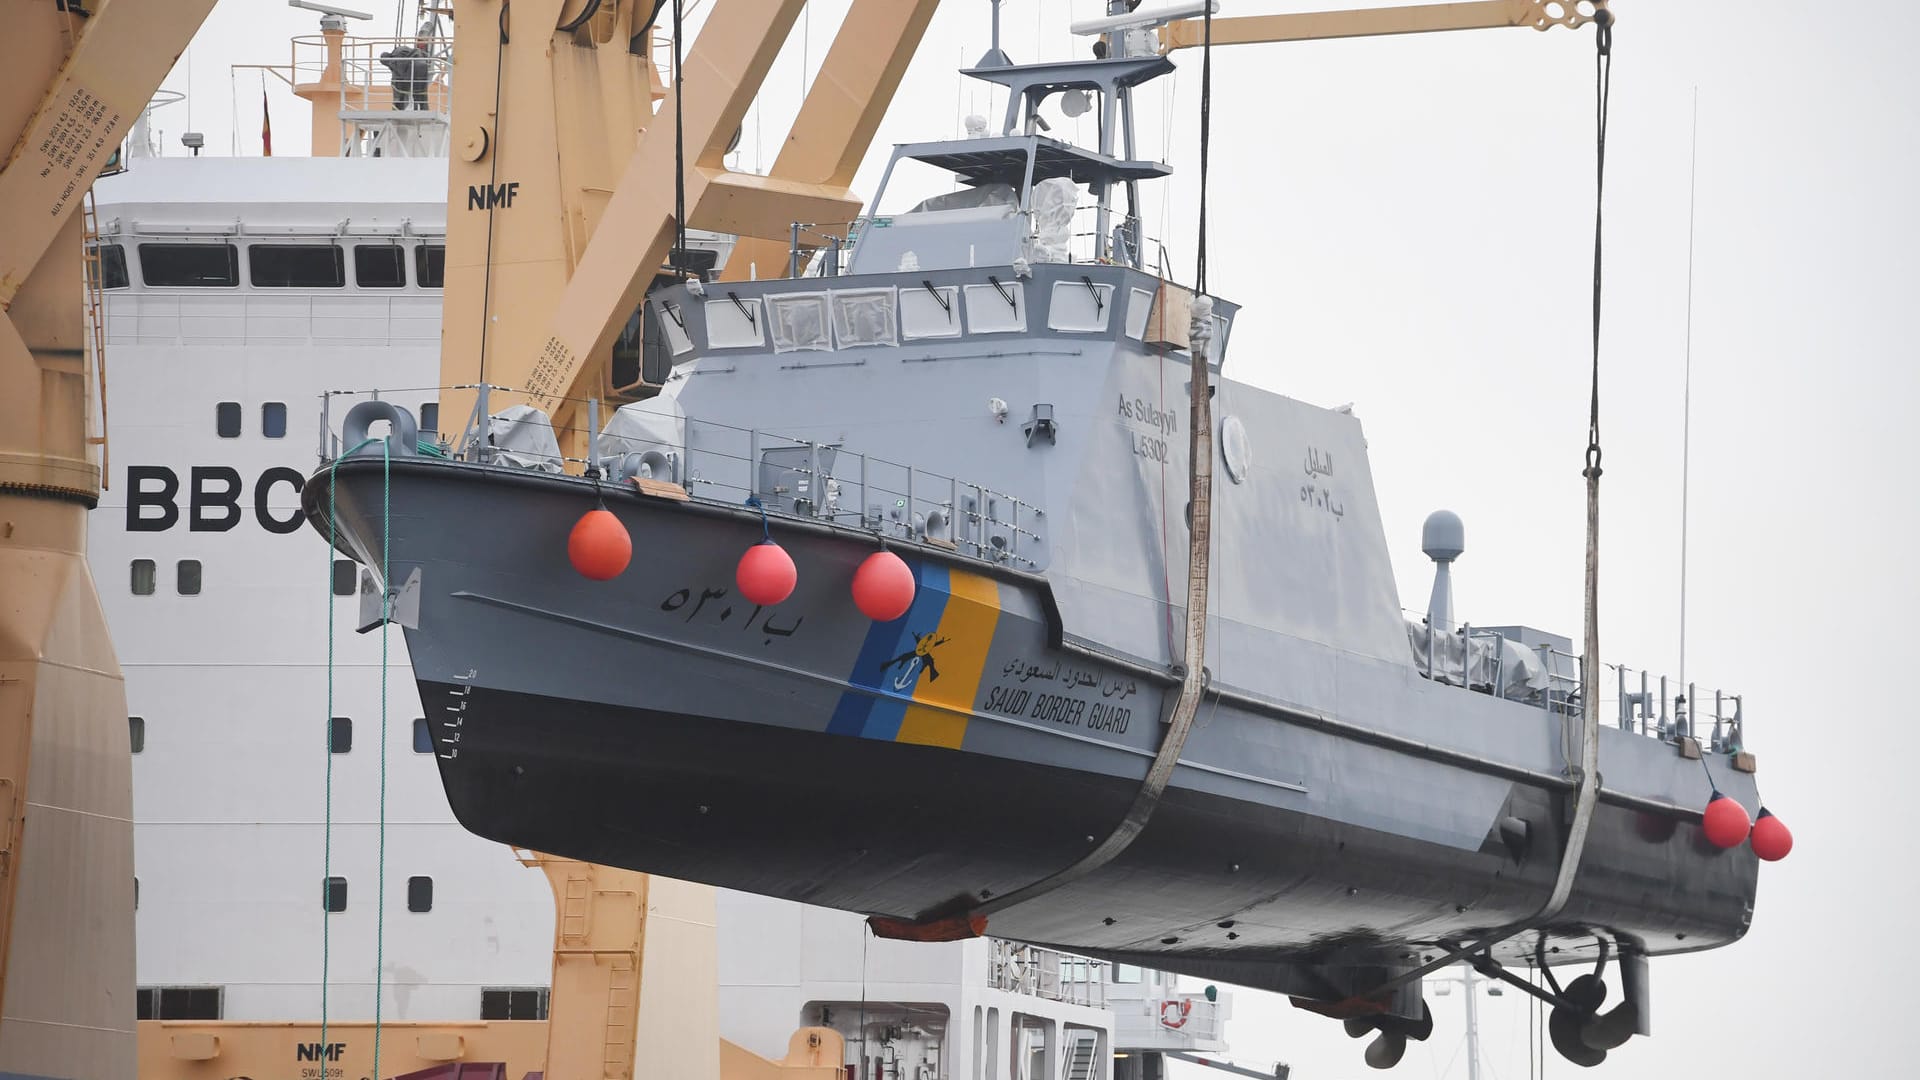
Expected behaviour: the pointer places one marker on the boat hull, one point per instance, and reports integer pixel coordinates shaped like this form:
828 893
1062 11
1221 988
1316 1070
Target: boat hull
657 722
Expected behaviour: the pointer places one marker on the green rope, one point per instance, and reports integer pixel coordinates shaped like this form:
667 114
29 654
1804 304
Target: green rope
326 859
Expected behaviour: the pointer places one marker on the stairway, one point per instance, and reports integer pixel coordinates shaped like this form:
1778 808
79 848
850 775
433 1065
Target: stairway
1082 1060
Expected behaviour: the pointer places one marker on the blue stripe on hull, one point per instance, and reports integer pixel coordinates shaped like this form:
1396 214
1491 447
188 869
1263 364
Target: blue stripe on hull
877 715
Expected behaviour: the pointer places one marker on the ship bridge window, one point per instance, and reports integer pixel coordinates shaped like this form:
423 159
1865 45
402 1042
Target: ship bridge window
226 419
799 321
419 894
273 419
379 266
513 1003
1080 306
143 577
187 577
340 735
641 356
734 323
113 266
430 265
1139 310
864 317
297 266
192 265
333 895
672 321
137 732
178 1003
930 311
998 307
345 581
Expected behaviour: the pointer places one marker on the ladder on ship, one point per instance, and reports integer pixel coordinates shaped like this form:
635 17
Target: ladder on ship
1082 1056
96 324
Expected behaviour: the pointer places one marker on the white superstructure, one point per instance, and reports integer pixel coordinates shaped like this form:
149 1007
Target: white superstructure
217 594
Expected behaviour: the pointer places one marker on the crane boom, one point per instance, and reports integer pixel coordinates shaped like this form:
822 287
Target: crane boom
540 286
1382 22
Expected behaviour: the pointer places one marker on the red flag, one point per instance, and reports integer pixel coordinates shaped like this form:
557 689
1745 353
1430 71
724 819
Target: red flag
266 124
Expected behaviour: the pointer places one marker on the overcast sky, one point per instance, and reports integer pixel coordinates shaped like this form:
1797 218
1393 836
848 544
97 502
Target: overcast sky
1408 223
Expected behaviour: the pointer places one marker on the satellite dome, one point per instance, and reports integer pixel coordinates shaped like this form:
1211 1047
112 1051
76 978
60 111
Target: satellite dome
1444 536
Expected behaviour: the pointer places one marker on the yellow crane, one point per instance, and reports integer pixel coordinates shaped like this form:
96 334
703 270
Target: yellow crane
73 77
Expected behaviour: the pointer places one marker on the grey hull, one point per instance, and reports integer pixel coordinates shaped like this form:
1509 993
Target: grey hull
661 723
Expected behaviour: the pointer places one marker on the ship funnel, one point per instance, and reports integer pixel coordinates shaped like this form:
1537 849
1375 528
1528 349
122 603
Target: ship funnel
1443 538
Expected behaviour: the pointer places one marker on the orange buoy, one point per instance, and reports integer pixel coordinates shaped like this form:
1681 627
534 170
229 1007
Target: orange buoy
766 574
1771 837
883 587
1725 821
599 546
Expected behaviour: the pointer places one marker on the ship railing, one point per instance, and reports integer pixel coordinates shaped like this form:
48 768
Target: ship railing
366 84
1123 241
787 474
823 249
1652 705
1046 974
1642 702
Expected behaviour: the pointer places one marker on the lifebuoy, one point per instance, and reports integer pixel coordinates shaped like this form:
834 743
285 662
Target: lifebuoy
1173 1014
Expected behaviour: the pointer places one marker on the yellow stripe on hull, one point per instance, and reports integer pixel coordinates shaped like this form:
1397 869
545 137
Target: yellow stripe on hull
939 715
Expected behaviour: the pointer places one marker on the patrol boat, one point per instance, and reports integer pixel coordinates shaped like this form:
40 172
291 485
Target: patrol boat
972 432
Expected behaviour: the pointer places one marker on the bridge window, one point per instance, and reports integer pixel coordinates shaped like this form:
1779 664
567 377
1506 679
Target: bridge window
513 1003
333 895
193 265
178 1003
143 576
430 265
345 581
113 266
226 419
297 266
273 419
1080 306
340 735
137 733
380 266
422 738
419 894
996 307
187 577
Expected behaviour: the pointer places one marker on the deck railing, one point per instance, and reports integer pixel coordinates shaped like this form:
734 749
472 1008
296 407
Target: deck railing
788 475
1640 702
1047 974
